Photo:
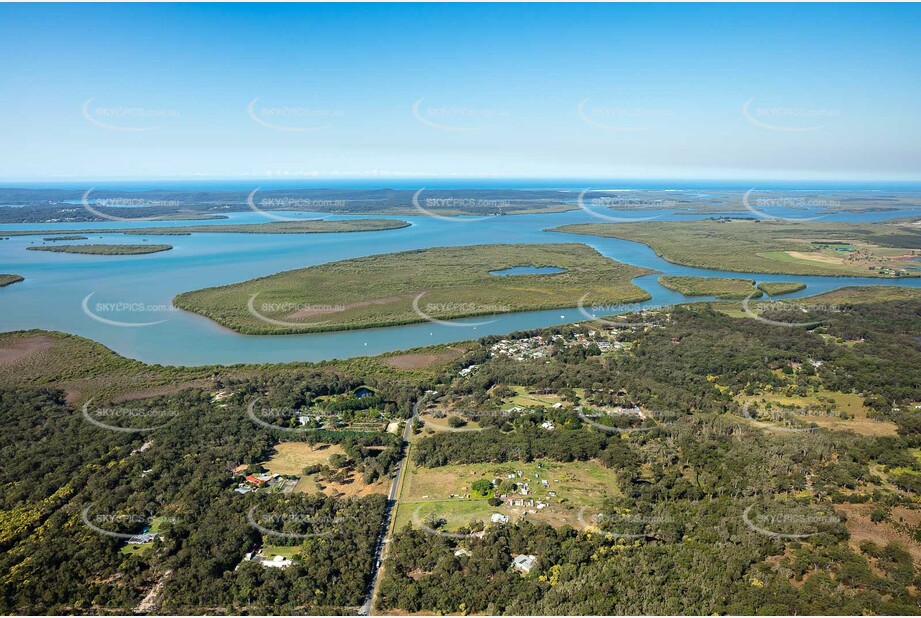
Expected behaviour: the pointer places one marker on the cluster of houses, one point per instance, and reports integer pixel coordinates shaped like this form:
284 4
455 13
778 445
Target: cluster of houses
524 489
521 349
540 347
252 482
892 272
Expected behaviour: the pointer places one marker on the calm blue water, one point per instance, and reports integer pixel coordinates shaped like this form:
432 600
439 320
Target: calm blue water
138 289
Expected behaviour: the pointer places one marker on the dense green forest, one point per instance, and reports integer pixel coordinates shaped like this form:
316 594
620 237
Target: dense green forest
698 481
676 541
181 471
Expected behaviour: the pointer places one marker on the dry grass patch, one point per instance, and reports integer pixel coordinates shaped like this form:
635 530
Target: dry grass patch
292 457
15 350
851 403
423 360
861 528
354 486
576 485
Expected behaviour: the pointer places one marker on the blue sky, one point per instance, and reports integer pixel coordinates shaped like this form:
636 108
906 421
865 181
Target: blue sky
605 91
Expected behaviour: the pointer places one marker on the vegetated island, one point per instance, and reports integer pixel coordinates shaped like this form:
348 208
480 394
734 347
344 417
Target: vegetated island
62 238
6 280
443 283
775 247
104 249
313 226
719 287
776 288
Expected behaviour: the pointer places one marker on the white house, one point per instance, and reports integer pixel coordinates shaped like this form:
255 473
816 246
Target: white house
524 562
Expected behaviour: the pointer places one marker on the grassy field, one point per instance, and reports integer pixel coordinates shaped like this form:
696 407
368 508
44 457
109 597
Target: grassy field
10 279
285 551
851 404
445 283
131 549
354 486
719 287
578 484
776 288
290 458
293 457
313 226
441 424
104 249
778 247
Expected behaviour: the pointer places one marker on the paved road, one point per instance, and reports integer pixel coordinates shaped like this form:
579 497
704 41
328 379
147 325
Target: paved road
383 537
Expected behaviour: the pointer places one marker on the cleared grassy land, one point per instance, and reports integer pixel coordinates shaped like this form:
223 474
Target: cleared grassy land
293 457
711 286
776 288
578 484
850 404
10 279
444 283
441 424
130 549
777 247
313 226
104 249
285 551
525 398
